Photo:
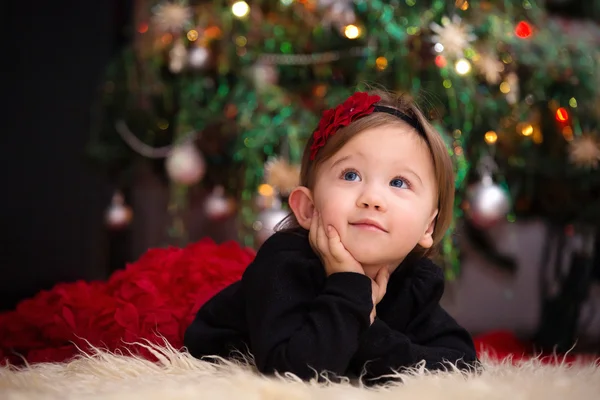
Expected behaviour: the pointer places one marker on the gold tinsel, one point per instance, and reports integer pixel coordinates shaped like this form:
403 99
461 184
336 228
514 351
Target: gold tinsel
455 36
281 175
489 66
172 17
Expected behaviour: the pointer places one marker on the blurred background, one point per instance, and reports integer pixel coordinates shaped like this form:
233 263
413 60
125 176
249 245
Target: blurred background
135 124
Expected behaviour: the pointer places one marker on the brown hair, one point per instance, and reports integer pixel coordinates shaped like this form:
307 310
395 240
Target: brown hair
443 168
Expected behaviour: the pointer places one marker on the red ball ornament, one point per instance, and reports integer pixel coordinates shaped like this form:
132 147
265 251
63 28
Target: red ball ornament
523 30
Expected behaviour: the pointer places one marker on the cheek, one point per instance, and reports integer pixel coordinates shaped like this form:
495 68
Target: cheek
333 213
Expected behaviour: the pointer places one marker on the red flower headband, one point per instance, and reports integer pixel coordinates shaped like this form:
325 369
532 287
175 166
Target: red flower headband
356 106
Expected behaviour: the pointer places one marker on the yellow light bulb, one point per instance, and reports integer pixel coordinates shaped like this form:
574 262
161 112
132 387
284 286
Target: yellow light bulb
505 87
381 63
527 130
462 66
265 190
240 9
192 35
351 31
491 137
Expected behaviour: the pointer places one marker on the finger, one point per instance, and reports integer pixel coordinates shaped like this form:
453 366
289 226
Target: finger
374 292
381 279
322 237
336 248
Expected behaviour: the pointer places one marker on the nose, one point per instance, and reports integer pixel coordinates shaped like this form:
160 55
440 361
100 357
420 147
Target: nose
372 197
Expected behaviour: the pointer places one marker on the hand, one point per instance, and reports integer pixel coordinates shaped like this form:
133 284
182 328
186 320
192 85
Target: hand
378 288
330 249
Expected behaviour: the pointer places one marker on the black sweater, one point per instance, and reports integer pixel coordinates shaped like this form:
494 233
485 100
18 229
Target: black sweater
293 318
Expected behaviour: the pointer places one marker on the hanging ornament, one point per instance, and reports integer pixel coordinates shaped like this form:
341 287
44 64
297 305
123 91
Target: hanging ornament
177 57
185 164
489 66
584 151
172 16
264 75
267 219
487 202
282 176
453 36
198 57
118 215
217 205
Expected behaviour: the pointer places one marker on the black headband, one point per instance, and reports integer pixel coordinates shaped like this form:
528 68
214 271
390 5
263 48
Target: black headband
406 118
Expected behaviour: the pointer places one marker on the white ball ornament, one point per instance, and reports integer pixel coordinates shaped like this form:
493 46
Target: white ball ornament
185 165
488 203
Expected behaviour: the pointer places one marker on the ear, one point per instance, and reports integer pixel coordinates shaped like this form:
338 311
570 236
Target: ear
426 240
301 203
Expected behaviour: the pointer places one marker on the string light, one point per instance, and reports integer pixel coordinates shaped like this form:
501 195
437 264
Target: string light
562 115
505 87
573 102
462 66
440 61
462 4
241 41
381 63
526 129
491 137
166 38
192 35
523 30
240 9
351 31
567 133
143 27
266 190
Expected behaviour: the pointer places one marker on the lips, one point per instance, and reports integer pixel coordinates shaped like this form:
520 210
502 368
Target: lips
368 224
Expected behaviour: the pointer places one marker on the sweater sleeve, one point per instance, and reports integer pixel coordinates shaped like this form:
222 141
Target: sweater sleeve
432 336
296 326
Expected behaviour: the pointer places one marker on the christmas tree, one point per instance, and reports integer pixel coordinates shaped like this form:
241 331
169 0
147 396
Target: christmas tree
225 93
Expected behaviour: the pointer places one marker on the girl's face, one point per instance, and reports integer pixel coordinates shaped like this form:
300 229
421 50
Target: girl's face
379 192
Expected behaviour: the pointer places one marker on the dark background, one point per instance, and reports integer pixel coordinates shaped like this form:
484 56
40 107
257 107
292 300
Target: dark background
52 201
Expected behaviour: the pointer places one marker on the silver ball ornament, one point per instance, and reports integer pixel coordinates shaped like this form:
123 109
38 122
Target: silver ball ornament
487 203
118 215
265 223
218 205
264 75
198 57
185 164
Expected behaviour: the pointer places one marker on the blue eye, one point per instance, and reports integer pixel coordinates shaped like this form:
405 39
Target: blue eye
399 183
351 176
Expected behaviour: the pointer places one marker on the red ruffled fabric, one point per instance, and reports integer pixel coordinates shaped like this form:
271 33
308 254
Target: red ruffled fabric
158 294
500 345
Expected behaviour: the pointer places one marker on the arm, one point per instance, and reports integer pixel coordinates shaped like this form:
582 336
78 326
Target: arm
440 341
295 326
431 335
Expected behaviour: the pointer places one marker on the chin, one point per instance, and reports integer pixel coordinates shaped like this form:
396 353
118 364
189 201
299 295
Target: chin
371 257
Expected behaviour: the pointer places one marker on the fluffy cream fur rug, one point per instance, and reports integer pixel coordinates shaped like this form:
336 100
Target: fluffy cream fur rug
177 375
